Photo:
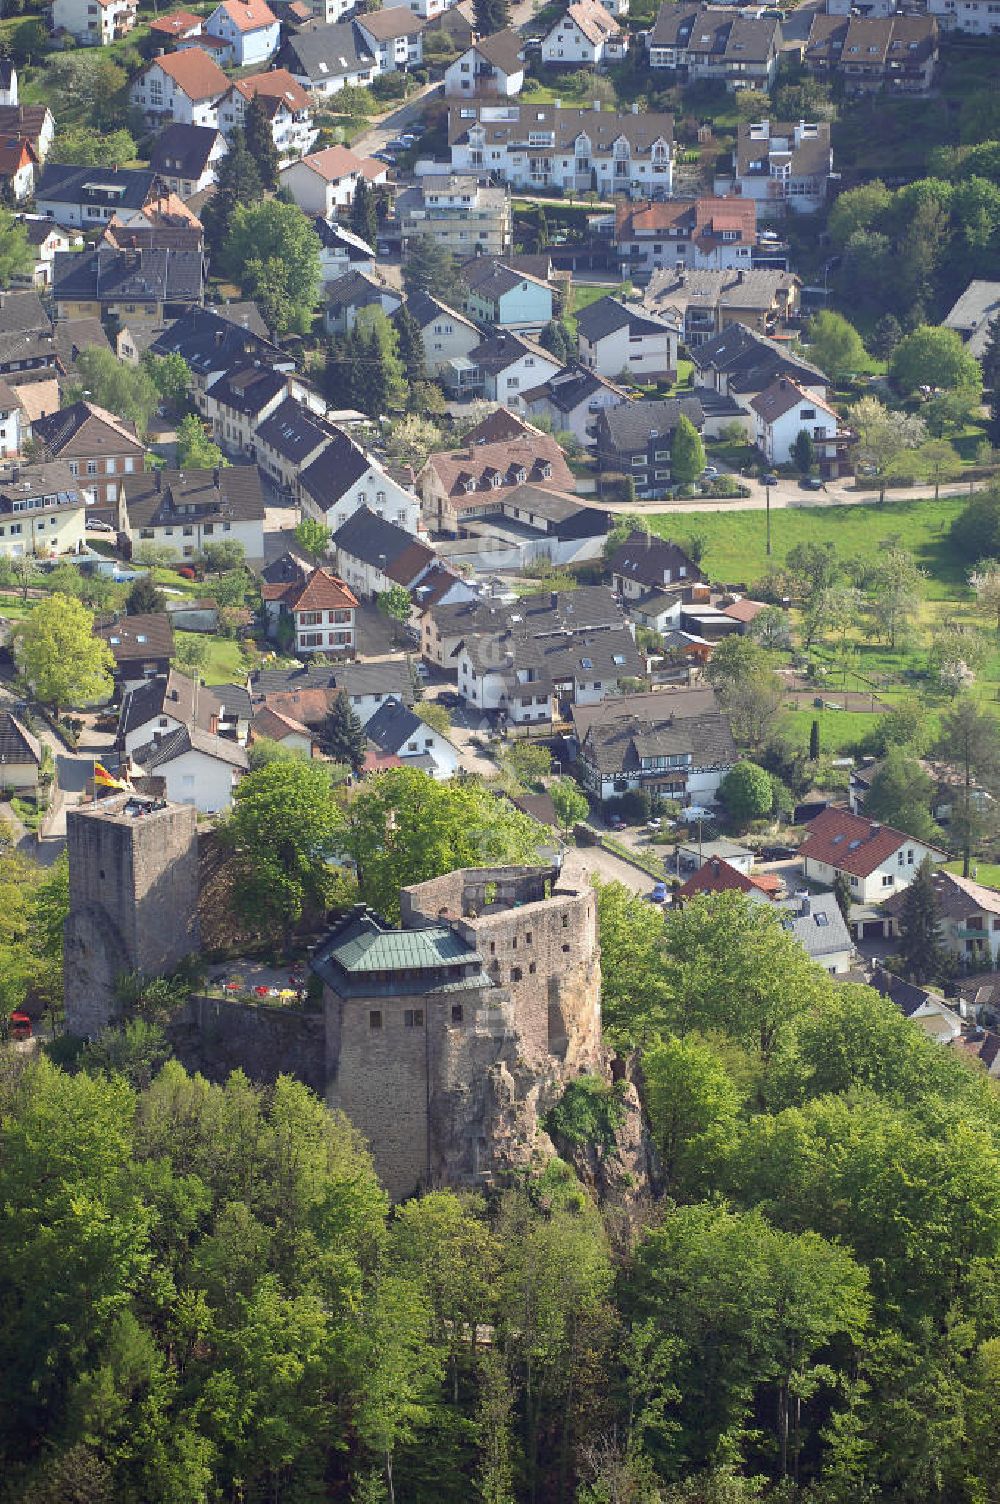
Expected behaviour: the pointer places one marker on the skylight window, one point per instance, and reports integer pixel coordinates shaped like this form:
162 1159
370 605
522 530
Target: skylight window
822 919
586 663
837 840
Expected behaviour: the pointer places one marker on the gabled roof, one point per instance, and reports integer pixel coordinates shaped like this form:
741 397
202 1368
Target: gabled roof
394 21
958 897
85 431
157 754
425 309
109 275
631 425
590 18
332 163
177 695
183 150
212 339
22 313
277 85
277 726
247 389
850 843
817 924
110 187
320 591
248 15
356 289
382 544
320 52
392 726
15 153
195 73
570 387
750 361
338 237
782 396
488 470
619 744
498 351
293 430
718 876
179 23
609 316
491 277
503 50
17 745
171 497
972 314
149 635
335 469
648 559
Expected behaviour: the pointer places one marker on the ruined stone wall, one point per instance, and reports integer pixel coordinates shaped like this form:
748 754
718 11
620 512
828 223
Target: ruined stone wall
133 892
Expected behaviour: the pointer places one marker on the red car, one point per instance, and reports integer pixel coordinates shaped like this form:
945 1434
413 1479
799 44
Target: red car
20 1025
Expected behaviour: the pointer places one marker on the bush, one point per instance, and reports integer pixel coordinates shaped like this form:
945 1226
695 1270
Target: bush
588 1112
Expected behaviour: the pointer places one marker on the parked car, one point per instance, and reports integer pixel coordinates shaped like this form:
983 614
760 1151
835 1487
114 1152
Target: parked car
697 812
615 822
659 893
450 700
710 472
777 853
769 479
386 157
655 823
810 483
409 138
398 143
96 525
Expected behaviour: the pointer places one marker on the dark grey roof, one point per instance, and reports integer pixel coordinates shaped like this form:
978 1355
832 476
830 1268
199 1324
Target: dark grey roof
17 745
907 996
247 389
107 275
113 188
335 469
173 497
609 315
234 700
286 569
149 635
35 482
379 543
389 676
425 309
320 52
293 431
392 725
168 748
606 655
70 336
820 930
338 237
631 425
568 388
141 704
22 312
751 361
183 150
358 290
652 705
214 339
649 560
615 746
498 351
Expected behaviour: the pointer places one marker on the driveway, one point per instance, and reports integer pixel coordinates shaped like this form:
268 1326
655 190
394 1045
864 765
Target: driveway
583 863
382 131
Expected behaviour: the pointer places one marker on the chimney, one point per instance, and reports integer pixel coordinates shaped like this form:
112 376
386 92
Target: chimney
806 909
158 483
741 276
216 477
875 830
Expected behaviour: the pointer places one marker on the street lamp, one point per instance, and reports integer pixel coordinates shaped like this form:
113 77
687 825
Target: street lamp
767 494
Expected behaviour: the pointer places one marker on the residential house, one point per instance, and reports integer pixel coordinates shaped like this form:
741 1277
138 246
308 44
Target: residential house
20 755
346 297
760 298
672 742
14 426
947 788
196 767
867 54
394 37
249 29
319 610
617 339
374 554
106 282
457 483
968 919
647 568
716 875
325 181
458 212
239 400
286 104
634 439
298 13
540 145
739 48
344 479
142 646
215 340
187 157
781 166
571 400
177 27
815 921
288 440
341 251
308 693
397 732
704 234
44 238
973 313
325 58
506 295
93 23
8 83
42 511
489 68
166 702
89 196
97 446
187 87
527 525
784 410
184 510
877 859
500 367
585 33
938 1019
445 625
447 335
740 363
976 18
26 342
293 735
457 23
34 123
18 164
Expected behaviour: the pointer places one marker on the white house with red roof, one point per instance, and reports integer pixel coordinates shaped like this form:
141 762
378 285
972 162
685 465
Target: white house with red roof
876 859
322 611
17 168
325 181
249 29
186 87
780 414
179 26
704 234
94 23
286 105
585 33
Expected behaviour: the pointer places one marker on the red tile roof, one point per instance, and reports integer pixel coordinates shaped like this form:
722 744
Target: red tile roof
249 15
177 24
718 876
851 843
278 84
194 72
744 609
322 591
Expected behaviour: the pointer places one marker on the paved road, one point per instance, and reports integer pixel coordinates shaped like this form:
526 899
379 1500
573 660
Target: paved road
583 863
787 495
377 137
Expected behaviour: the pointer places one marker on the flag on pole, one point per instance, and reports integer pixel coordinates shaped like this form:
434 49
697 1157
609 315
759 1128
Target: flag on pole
106 780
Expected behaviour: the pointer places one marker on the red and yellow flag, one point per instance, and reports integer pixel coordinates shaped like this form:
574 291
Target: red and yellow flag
106 780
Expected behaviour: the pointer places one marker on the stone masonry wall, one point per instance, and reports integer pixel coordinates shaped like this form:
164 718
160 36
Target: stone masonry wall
216 1037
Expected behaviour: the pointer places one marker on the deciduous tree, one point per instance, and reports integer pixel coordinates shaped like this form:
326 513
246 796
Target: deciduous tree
901 794
835 345
60 659
274 252
934 357
885 436
313 537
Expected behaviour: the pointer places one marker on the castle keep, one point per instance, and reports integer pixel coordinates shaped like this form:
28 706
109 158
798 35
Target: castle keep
444 1039
448 1037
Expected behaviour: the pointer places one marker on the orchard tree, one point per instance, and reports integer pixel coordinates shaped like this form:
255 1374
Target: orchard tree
885 437
58 656
939 461
224 555
282 830
985 581
687 453
895 587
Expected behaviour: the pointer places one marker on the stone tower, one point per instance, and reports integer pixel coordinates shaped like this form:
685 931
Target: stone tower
133 899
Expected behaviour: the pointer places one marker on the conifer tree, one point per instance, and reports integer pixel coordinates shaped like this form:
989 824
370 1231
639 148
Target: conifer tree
364 221
842 893
260 142
237 182
411 345
343 734
920 927
687 453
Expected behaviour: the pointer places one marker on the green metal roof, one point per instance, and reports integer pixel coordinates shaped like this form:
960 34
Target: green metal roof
396 950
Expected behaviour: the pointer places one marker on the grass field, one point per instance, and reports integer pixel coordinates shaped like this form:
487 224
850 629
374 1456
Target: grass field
224 664
987 873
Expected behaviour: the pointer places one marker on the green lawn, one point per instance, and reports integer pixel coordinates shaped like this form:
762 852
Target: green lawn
987 873
735 541
224 664
177 583
585 293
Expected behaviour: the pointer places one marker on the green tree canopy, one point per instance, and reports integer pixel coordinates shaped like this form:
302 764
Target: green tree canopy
835 345
934 357
747 792
687 453
901 794
59 657
429 267
343 734
127 391
273 251
195 450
